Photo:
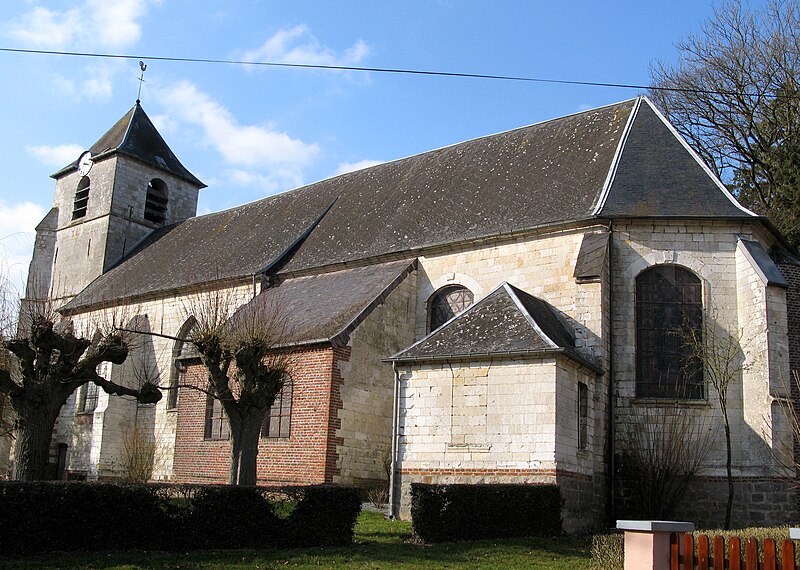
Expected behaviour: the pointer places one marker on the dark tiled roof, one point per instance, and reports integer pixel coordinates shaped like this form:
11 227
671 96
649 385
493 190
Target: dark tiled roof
135 135
506 321
591 256
657 176
49 222
543 174
550 173
225 245
763 264
329 306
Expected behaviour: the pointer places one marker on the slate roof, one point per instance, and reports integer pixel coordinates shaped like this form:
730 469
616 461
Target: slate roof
328 307
591 256
659 176
508 321
578 168
761 261
136 136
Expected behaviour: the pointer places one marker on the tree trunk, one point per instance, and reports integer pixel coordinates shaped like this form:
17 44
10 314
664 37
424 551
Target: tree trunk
245 437
32 446
729 473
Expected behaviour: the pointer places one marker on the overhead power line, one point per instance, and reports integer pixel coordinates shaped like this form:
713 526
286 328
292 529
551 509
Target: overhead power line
372 70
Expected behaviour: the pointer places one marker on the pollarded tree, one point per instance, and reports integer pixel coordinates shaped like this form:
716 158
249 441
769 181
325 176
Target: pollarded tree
49 363
246 366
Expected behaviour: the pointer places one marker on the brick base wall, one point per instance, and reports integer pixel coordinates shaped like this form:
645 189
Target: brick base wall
305 457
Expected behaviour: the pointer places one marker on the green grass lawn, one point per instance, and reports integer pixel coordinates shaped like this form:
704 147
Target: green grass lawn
378 544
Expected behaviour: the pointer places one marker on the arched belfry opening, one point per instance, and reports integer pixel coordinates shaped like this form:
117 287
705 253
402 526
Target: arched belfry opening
155 206
81 203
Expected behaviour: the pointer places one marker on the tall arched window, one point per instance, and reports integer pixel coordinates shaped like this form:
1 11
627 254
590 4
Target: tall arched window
278 418
182 350
446 303
669 307
155 205
81 203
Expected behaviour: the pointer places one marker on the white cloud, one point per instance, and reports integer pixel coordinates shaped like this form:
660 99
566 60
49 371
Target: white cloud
240 145
346 167
57 155
298 45
43 28
16 242
258 156
92 24
117 22
94 82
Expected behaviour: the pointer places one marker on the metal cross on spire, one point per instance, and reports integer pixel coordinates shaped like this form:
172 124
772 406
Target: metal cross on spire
143 67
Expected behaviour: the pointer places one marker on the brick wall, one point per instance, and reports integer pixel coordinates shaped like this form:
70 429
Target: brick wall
308 455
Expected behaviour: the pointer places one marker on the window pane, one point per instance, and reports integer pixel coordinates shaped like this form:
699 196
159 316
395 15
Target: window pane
668 307
447 303
278 419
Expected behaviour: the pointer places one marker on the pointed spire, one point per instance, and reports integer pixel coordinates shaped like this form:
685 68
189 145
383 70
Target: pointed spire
136 136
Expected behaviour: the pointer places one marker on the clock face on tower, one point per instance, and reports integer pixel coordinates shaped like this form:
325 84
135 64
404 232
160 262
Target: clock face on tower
85 163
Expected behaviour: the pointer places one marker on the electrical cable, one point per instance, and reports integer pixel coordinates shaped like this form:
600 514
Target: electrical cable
377 70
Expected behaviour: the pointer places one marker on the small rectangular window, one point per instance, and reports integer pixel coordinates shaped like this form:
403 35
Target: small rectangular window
217 426
583 415
87 400
278 419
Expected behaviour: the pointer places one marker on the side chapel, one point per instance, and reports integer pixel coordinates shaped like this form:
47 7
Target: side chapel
498 310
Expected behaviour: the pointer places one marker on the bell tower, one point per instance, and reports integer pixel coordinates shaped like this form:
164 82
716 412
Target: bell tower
125 186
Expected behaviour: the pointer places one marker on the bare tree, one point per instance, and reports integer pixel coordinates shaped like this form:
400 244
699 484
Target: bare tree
242 353
138 456
664 450
722 356
735 96
44 363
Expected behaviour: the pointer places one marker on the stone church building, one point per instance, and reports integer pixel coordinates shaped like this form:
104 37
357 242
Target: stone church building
499 310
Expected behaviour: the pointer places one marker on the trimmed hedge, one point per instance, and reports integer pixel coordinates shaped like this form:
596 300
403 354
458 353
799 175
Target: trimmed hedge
63 516
469 512
325 517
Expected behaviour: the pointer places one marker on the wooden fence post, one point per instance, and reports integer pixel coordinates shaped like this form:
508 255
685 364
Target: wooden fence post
647 542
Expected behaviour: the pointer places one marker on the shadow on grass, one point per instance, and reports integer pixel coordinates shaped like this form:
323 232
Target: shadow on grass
378 544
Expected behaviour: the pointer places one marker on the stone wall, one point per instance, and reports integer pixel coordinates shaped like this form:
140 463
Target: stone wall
498 421
367 389
542 266
114 222
740 309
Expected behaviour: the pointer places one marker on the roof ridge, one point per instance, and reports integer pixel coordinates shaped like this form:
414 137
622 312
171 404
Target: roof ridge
125 136
612 170
511 290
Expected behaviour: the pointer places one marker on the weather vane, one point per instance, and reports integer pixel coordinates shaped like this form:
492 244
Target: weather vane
143 67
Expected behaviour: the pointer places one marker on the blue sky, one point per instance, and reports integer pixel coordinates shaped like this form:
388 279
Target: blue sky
250 132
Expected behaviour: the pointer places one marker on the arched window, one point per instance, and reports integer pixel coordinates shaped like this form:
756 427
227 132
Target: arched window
278 418
81 203
446 303
155 205
182 351
669 308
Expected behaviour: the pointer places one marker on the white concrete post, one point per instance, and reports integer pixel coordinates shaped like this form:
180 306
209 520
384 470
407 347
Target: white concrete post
647 542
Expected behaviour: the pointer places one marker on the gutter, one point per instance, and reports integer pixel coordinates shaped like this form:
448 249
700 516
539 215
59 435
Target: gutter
612 432
395 435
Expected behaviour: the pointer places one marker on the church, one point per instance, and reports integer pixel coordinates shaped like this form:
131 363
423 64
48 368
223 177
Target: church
498 310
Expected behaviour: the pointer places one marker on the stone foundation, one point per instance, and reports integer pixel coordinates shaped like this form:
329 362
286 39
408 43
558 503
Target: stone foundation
758 501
